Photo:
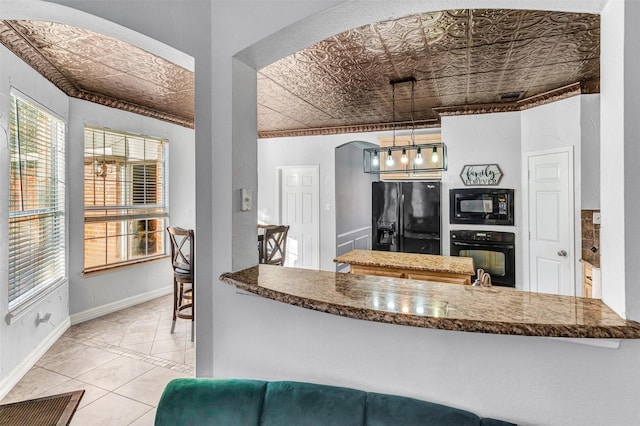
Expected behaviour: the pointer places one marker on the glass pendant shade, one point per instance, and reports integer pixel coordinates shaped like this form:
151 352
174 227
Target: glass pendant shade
408 158
389 161
418 159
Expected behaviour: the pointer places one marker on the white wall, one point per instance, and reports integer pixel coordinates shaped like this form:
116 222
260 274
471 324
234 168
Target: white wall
24 337
98 293
613 119
483 139
553 125
631 155
23 342
590 141
527 380
550 126
308 151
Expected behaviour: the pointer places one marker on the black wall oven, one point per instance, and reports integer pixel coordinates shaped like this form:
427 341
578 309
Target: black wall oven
487 206
492 251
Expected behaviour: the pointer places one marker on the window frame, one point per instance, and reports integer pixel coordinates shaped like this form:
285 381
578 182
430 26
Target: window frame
126 213
50 252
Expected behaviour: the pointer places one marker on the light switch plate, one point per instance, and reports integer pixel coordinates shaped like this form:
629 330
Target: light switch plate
247 199
596 218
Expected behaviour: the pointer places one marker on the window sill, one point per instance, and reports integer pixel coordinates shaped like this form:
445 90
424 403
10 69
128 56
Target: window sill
110 268
25 305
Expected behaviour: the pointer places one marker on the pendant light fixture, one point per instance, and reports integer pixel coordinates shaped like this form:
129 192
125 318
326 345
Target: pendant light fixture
411 161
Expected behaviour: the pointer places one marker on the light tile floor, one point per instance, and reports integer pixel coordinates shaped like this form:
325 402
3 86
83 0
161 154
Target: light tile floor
122 360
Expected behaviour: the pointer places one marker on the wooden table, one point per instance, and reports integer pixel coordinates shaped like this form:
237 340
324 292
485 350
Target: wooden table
426 267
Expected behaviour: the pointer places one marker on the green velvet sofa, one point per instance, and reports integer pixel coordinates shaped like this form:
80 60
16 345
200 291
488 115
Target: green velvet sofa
240 402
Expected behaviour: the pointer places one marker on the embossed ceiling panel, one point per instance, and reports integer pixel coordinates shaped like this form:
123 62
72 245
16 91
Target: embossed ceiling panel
101 69
463 61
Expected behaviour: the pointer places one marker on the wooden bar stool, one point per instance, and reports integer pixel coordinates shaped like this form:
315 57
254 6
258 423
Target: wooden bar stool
183 262
274 245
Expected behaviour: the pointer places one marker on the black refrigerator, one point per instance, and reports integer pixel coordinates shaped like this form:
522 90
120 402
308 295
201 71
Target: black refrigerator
406 217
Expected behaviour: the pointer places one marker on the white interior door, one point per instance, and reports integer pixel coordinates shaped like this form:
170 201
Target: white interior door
551 222
300 209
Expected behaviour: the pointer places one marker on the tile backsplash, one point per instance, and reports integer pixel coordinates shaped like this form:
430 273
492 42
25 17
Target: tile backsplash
590 238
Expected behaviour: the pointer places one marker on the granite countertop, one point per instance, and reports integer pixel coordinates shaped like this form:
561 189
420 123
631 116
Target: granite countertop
419 262
497 310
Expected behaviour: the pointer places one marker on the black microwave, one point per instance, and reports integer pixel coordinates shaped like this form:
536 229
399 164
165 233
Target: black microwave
486 206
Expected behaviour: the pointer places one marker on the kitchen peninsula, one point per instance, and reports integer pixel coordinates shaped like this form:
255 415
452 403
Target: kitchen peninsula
427 267
497 310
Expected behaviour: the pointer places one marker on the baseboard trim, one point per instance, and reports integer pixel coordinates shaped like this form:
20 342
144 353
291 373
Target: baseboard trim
23 368
99 311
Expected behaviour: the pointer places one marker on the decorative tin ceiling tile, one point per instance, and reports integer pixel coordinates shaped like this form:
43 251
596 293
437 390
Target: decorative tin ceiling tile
464 59
101 69
44 34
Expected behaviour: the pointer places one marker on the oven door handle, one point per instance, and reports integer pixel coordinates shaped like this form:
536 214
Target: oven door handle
497 245
458 243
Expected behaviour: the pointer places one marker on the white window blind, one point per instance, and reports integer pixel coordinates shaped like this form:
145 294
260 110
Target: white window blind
124 198
37 249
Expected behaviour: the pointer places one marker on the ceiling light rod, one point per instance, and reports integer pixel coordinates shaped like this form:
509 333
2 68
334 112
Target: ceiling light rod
413 123
404 159
393 113
389 160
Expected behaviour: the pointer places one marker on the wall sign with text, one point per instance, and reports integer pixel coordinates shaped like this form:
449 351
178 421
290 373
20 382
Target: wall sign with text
481 174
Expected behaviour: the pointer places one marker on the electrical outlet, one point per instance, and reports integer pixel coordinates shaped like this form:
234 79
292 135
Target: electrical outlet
596 218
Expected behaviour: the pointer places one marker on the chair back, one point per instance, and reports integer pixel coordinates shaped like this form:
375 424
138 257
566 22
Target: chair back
182 249
274 246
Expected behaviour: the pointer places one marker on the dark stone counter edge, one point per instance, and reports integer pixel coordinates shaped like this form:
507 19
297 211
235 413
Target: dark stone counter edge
629 331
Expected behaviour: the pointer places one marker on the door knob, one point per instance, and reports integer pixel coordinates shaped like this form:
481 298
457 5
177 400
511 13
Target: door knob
562 253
